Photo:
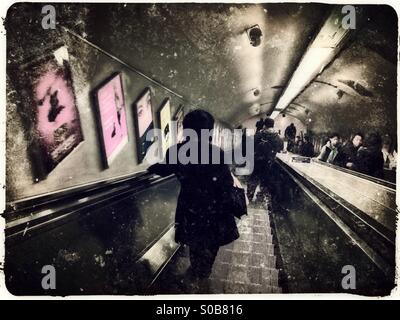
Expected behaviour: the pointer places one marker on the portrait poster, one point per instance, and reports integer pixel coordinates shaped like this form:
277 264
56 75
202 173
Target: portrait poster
143 112
112 117
51 110
178 118
165 124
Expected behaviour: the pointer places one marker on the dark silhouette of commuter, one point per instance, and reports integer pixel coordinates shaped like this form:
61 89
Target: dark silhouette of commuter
201 222
290 131
307 149
259 124
290 135
348 153
369 158
297 144
267 144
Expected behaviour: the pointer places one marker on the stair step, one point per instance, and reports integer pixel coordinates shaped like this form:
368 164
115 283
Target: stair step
248 265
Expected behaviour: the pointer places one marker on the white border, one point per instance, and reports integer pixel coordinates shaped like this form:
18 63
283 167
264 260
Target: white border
4 294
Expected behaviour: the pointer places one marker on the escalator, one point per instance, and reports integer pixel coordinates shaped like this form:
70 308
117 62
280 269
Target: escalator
116 237
109 238
320 236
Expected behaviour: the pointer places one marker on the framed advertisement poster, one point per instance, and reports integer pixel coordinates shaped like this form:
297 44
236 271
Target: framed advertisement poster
113 132
50 111
143 113
178 118
165 124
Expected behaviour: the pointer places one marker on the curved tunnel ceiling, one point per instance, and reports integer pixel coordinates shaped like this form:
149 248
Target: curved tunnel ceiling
357 91
202 52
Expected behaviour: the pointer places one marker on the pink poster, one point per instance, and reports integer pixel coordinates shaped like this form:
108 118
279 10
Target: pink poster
56 123
112 116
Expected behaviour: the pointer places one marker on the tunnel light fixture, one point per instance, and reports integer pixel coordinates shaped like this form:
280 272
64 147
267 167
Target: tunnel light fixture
318 55
310 66
274 114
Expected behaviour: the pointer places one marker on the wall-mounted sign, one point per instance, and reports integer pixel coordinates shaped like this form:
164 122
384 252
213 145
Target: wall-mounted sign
165 124
50 111
110 102
178 118
143 111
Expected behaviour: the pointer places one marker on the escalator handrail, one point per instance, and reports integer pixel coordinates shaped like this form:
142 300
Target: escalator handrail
54 196
375 225
63 204
383 183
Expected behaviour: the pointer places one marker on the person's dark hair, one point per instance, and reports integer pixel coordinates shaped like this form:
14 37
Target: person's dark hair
197 120
387 139
334 134
356 134
373 140
306 138
269 123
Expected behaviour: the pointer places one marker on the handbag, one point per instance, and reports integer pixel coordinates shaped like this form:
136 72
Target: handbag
238 205
236 200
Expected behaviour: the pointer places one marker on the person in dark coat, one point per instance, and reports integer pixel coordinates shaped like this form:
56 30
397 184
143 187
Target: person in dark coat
259 124
200 220
369 158
307 149
348 153
298 143
290 132
267 144
290 135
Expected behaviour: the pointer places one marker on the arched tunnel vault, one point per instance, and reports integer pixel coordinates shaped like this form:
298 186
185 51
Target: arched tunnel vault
202 52
357 91
286 34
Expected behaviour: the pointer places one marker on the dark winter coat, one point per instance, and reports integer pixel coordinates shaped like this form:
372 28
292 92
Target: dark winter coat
307 149
200 215
370 161
259 125
348 153
290 132
267 144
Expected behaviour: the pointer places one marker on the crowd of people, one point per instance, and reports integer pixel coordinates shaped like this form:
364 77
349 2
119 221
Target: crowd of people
301 146
204 222
369 155
298 145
